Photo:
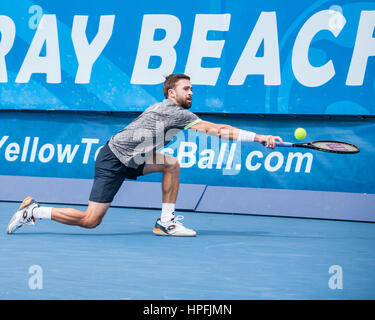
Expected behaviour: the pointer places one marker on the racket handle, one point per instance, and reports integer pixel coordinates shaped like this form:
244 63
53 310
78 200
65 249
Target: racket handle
281 144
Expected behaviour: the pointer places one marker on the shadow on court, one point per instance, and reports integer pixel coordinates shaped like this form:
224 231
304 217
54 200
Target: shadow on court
222 233
200 233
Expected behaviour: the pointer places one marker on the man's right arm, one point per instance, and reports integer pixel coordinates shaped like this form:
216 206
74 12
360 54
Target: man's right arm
225 131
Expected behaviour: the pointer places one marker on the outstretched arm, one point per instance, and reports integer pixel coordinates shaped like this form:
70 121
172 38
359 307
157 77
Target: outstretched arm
225 131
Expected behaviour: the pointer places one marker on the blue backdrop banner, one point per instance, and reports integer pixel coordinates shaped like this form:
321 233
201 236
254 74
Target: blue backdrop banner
273 57
65 144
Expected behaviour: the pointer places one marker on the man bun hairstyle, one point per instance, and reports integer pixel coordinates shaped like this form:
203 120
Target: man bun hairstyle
171 80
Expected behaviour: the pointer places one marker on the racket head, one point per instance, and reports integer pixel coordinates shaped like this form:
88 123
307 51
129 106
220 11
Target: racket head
335 146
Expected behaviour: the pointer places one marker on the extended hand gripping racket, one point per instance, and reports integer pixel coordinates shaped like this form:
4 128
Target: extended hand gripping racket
323 145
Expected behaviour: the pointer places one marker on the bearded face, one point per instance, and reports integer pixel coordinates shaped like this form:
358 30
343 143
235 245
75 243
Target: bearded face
184 101
182 94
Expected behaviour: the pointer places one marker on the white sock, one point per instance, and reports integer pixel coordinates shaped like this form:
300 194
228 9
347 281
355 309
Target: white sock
167 212
42 213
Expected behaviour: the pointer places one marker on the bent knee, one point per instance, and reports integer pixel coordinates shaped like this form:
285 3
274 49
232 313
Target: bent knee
90 222
171 164
94 214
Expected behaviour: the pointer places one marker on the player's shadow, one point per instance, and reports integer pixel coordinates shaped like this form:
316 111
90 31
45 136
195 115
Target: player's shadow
80 234
200 233
256 234
231 233
213 233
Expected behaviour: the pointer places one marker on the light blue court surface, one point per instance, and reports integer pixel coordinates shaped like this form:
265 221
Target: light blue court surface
233 257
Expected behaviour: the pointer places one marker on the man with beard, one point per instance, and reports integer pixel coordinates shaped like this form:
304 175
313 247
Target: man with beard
132 153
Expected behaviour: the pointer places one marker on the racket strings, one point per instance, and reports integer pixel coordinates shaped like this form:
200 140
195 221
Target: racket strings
335 146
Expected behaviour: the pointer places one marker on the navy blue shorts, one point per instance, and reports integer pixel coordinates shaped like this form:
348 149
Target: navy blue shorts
110 173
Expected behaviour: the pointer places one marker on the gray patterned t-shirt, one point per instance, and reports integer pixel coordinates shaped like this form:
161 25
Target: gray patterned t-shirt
153 129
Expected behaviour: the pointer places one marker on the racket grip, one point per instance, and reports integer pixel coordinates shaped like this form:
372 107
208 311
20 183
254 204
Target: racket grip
281 144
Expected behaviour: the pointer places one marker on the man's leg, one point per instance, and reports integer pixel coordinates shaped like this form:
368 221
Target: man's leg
108 179
30 210
169 166
87 219
109 176
95 212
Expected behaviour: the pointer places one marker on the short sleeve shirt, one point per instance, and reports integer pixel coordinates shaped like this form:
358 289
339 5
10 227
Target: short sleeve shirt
153 129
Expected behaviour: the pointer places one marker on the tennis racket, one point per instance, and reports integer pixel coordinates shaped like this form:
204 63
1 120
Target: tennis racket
322 145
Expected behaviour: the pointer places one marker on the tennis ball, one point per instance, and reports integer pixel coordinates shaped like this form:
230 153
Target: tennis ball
300 133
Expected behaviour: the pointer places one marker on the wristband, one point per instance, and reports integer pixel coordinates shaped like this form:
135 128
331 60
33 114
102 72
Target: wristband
246 136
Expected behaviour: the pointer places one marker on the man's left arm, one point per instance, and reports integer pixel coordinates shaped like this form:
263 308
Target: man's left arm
228 132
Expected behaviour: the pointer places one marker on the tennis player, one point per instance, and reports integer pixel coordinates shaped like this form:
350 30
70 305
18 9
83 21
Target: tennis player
132 153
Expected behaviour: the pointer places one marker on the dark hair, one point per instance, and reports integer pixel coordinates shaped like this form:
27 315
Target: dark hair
171 80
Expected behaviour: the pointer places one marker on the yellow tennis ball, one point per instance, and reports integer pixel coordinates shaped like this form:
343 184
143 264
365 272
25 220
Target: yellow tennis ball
300 133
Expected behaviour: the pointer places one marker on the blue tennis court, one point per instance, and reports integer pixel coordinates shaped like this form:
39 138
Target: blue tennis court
232 257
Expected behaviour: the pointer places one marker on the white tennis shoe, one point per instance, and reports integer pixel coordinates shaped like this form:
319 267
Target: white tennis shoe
173 228
24 215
